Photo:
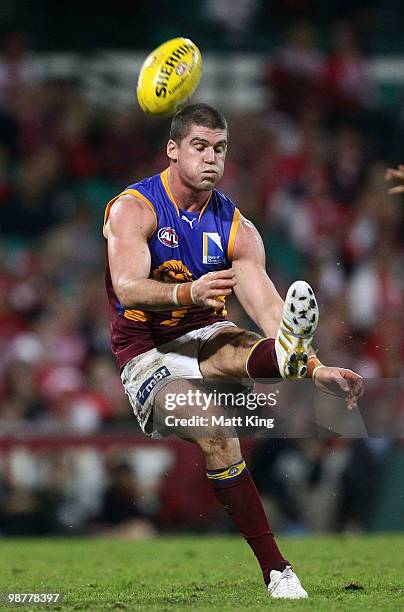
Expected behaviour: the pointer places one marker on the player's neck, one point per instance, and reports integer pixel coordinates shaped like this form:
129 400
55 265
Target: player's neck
186 197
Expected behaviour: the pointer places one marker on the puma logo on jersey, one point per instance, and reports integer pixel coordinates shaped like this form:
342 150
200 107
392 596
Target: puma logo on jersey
190 221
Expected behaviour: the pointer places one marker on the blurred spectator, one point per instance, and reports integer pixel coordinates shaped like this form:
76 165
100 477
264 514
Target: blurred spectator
362 483
20 512
120 514
298 480
347 165
296 71
348 86
16 67
234 18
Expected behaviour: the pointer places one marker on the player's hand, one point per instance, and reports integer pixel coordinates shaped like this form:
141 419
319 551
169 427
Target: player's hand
397 173
207 289
341 382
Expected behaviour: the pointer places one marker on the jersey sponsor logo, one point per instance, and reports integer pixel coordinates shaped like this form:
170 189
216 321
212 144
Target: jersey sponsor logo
212 248
190 221
168 236
149 384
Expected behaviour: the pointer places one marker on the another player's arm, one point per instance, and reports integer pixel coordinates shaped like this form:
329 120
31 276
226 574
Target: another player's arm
130 226
395 173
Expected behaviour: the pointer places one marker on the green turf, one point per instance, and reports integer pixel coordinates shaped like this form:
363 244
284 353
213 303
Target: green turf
206 573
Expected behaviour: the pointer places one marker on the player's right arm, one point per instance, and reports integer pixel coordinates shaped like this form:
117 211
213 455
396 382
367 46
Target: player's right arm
130 226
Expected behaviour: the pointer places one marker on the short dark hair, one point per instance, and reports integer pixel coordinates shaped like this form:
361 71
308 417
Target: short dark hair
196 114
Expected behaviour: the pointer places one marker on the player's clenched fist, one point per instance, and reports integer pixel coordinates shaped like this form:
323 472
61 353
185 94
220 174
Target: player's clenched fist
207 290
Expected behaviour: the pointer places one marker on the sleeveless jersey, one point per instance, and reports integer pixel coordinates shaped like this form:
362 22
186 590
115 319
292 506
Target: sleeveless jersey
184 246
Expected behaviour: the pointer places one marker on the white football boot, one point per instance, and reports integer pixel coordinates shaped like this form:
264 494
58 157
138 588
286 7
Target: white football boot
285 585
299 322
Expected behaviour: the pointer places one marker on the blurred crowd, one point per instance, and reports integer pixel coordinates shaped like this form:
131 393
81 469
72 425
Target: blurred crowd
308 170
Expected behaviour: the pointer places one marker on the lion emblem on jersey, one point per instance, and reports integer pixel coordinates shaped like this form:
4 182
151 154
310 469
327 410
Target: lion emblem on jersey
172 271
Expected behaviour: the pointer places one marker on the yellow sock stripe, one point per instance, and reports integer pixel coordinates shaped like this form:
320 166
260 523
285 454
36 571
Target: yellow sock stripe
230 472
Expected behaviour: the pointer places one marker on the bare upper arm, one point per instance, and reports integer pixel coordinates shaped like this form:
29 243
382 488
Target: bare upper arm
130 225
255 290
248 245
249 261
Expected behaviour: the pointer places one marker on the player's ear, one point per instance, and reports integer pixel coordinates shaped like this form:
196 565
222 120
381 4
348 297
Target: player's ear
172 150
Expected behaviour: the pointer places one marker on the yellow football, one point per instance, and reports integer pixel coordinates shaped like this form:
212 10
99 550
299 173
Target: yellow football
169 75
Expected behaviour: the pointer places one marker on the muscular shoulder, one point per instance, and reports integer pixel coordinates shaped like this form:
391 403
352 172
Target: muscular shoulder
248 241
129 213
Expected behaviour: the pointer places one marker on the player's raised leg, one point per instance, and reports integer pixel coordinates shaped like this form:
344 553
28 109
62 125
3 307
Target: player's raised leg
230 481
239 353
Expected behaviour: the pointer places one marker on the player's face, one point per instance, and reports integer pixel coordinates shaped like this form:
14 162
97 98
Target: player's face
200 157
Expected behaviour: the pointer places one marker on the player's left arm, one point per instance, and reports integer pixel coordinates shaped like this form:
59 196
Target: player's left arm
261 301
254 290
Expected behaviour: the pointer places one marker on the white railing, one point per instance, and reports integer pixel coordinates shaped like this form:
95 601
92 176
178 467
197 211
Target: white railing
232 81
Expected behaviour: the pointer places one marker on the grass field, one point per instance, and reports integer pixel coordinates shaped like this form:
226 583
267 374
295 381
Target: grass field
203 573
